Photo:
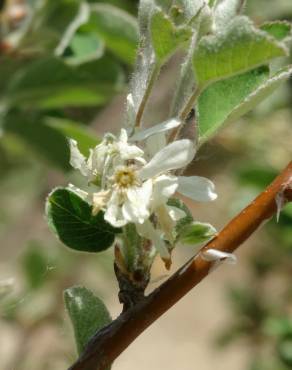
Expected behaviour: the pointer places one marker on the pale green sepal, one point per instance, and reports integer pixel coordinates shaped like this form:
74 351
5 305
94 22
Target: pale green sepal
196 232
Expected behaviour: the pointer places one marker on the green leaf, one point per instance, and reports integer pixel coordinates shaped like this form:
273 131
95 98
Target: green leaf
116 28
224 96
261 93
85 48
34 265
46 141
240 48
72 220
87 312
85 137
280 30
234 97
50 83
52 26
166 37
196 232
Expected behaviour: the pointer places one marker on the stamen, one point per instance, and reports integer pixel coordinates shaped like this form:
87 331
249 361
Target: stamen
126 177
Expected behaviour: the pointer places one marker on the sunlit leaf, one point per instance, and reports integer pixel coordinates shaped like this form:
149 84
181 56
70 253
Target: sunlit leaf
166 37
241 47
234 97
224 96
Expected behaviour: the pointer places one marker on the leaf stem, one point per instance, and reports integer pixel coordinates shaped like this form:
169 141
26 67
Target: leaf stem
152 79
106 345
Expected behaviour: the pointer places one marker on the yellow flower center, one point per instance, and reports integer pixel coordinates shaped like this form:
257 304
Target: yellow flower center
125 177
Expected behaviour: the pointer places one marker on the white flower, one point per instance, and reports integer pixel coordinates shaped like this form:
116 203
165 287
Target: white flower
130 189
137 190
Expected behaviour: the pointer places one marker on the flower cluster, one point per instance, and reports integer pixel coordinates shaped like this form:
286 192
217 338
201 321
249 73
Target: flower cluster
133 185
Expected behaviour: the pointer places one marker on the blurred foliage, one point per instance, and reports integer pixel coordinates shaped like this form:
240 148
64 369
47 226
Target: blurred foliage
81 52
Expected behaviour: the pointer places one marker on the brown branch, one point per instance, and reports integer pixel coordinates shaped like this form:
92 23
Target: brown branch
110 342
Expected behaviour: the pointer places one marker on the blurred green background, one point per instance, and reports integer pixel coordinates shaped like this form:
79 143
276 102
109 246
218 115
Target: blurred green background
64 76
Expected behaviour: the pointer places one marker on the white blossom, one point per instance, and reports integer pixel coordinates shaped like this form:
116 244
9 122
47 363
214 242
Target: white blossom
130 189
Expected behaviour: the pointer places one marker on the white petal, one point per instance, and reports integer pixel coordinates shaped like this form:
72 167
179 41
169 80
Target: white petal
129 212
139 199
175 155
155 143
175 213
127 151
166 223
134 214
214 255
113 214
162 127
77 160
97 158
163 188
197 188
147 231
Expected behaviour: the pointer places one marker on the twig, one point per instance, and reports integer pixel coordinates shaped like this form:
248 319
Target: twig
110 342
